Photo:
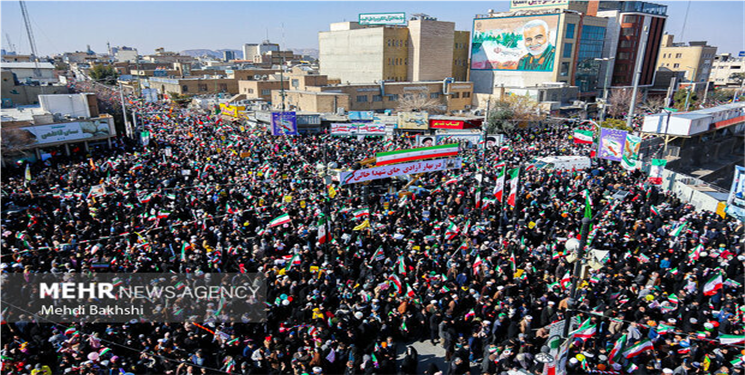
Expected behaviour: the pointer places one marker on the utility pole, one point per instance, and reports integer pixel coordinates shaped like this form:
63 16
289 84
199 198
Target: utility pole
124 110
483 156
637 76
605 86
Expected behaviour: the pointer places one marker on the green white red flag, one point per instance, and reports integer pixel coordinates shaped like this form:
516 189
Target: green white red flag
413 154
514 173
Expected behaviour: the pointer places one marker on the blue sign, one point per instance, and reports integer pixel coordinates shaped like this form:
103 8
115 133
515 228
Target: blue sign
361 115
742 54
284 123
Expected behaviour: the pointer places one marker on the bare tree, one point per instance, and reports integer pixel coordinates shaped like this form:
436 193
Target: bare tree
524 108
619 101
420 101
654 104
15 141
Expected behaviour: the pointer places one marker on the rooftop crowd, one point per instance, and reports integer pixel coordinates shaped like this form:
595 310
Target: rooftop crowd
485 283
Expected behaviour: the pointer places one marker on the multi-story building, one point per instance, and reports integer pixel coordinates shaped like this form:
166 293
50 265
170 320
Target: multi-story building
163 56
125 54
254 52
535 44
261 89
228 55
631 26
694 58
194 86
42 72
727 70
424 49
449 96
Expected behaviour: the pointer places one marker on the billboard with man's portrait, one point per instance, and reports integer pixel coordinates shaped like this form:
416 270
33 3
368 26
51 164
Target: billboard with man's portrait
525 43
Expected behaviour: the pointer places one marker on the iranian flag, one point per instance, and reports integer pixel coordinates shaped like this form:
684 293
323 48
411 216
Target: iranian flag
362 212
500 182
615 353
396 282
283 219
655 211
476 264
639 348
478 198
323 235
713 285
451 231
378 255
655 173
566 281
413 154
731 339
294 261
585 331
514 173
678 230
583 136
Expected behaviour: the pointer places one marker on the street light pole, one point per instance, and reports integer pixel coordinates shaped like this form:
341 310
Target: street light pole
691 84
605 86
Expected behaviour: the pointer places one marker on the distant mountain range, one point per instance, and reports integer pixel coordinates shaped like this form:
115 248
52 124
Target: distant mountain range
239 54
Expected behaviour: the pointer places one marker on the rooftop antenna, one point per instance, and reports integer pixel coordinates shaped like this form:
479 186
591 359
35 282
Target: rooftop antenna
685 20
10 44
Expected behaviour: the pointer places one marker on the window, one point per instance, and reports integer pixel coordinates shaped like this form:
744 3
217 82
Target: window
361 98
265 92
223 87
393 97
202 87
564 69
250 91
455 95
377 98
630 19
434 95
626 44
466 94
678 55
628 31
422 95
676 65
567 53
185 88
295 83
570 31
624 55
408 96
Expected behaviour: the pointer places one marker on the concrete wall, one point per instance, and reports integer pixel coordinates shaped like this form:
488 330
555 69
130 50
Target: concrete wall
396 55
431 52
462 42
306 101
354 56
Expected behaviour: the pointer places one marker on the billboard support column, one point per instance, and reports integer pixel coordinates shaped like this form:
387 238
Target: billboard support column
637 75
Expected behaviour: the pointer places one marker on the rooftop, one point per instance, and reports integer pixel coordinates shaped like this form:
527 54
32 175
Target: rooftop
26 65
21 113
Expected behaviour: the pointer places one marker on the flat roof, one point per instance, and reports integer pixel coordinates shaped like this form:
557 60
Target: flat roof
21 113
26 65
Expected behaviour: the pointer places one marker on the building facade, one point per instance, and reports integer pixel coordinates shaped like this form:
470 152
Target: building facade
254 52
632 25
424 49
194 86
526 48
447 96
727 71
261 89
694 58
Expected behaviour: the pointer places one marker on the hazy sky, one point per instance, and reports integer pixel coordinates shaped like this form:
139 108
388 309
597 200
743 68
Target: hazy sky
178 25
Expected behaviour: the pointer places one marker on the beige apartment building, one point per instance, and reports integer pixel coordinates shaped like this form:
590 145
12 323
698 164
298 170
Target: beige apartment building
694 58
194 86
425 49
375 97
261 89
725 71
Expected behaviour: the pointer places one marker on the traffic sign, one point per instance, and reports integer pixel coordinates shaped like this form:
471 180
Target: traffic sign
742 54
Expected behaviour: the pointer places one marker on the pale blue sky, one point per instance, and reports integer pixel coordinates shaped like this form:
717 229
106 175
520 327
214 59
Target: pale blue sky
71 25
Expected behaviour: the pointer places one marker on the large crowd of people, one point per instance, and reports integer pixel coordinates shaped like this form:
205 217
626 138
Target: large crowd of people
488 282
